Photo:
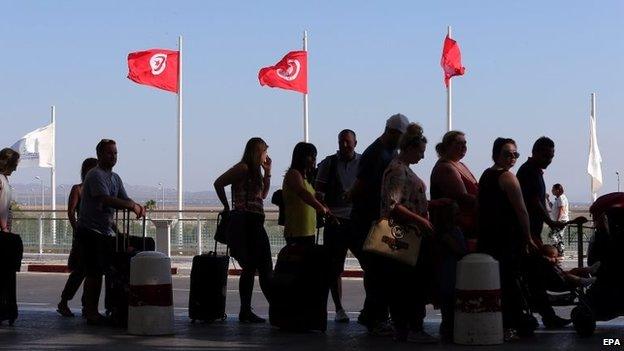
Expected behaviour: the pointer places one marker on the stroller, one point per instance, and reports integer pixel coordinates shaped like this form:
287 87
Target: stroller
603 300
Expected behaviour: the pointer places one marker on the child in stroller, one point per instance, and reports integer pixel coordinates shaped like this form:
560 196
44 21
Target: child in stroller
580 277
603 300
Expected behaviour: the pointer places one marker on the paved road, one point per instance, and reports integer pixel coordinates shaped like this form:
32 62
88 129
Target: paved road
40 328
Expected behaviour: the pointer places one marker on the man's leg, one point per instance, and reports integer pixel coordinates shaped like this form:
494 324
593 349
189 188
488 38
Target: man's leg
337 239
97 252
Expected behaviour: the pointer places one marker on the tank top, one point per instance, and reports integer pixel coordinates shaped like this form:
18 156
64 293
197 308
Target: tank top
247 195
499 228
300 218
5 198
468 214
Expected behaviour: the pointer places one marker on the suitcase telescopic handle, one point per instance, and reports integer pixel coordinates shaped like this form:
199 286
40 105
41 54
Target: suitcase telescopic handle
144 231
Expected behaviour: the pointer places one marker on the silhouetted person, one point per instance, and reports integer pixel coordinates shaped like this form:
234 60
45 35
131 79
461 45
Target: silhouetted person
335 177
300 204
504 229
531 178
250 180
366 198
75 261
102 193
9 159
451 178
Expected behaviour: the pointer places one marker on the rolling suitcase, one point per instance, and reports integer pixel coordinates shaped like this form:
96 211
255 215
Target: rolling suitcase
117 285
208 291
11 250
300 288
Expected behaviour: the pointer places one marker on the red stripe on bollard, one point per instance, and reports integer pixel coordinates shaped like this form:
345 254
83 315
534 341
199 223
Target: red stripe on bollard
151 295
477 301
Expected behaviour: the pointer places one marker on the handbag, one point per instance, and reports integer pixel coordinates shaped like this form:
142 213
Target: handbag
396 241
223 220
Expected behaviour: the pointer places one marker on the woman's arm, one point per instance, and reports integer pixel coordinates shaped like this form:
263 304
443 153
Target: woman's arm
232 175
510 185
404 214
295 181
72 203
266 179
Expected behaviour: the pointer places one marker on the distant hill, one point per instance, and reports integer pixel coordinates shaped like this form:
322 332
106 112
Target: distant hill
30 194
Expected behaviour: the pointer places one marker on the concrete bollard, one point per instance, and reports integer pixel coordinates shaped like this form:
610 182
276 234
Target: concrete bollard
478 317
150 310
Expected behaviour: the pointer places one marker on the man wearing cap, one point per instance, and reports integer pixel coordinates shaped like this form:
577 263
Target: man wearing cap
366 198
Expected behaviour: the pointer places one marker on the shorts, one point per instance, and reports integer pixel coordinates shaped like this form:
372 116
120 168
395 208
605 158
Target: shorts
338 239
96 250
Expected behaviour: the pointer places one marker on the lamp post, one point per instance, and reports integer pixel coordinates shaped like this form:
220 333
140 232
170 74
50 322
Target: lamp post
31 197
162 189
618 179
42 193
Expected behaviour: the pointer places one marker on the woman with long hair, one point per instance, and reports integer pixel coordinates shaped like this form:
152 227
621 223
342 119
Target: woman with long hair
74 262
250 180
8 164
300 204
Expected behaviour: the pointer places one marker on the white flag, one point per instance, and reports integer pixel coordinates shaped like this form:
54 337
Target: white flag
36 148
594 163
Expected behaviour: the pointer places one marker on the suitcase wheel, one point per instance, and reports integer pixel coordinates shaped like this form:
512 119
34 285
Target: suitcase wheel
224 317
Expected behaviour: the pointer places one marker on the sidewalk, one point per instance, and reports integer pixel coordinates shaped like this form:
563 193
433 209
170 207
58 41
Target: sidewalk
40 330
39 327
57 263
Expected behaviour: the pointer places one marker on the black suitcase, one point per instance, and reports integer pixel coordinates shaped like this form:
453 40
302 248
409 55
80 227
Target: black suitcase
11 250
207 295
300 288
117 285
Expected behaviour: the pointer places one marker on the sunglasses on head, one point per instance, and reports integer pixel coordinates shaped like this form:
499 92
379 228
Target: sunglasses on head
514 154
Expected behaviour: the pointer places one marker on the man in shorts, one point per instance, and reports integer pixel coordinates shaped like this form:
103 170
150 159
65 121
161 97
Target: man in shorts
102 193
335 177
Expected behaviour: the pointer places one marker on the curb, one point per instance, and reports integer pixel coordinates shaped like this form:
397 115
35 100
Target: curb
61 268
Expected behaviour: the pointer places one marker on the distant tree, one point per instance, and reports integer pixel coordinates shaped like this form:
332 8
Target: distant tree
150 205
15 206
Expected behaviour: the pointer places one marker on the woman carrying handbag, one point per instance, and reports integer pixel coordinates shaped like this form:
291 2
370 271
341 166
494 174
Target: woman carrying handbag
404 201
248 240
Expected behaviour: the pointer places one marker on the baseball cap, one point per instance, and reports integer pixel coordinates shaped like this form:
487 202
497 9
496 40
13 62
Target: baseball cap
398 122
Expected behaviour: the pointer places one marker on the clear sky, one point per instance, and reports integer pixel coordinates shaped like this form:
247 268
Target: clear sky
530 69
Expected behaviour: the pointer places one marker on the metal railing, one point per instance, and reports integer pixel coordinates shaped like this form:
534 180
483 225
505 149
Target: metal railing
50 232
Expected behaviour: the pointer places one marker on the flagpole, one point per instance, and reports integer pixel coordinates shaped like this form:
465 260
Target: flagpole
53 174
180 191
449 97
593 124
305 96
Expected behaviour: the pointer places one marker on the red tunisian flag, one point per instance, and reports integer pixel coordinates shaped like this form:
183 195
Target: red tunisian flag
451 60
290 73
155 67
